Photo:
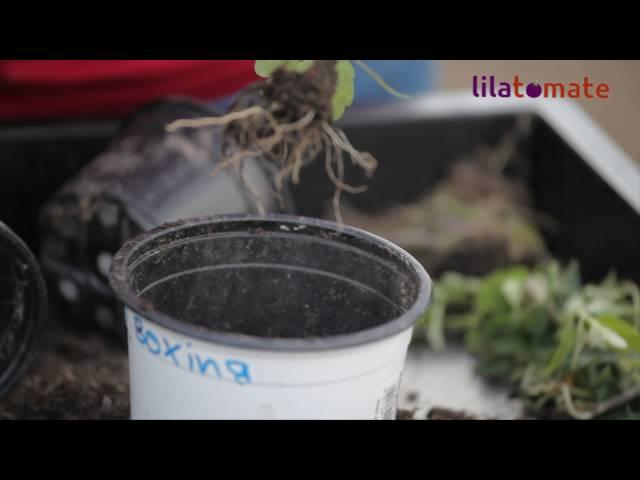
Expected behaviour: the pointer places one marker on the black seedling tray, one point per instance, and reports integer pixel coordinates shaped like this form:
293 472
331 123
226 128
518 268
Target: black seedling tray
578 175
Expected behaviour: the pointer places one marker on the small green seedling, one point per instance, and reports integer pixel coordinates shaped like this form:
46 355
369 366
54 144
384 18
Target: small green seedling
567 348
344 88
288 119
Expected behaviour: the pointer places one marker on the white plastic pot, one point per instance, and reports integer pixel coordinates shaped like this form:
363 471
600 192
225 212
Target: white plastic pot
244 317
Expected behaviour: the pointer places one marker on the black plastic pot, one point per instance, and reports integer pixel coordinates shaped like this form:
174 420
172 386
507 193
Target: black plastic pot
144 178
277 281
244 292
23 307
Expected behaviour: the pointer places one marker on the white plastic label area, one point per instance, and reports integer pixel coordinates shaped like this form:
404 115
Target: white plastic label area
173 376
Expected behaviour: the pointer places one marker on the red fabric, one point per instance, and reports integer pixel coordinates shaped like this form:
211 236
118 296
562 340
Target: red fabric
58 89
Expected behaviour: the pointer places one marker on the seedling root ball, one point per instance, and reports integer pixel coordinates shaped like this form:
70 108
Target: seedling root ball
286 119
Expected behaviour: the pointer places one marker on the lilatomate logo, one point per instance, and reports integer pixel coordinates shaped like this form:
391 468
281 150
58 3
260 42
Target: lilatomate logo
487 86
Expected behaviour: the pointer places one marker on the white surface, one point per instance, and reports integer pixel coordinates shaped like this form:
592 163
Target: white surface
447 380
349 383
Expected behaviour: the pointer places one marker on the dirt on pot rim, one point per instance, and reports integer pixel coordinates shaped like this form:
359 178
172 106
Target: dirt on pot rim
261 225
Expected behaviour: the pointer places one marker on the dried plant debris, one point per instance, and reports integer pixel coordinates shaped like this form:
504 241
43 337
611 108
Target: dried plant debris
477 219
567 349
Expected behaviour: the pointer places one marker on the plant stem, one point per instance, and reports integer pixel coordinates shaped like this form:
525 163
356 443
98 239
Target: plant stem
616 401
380 80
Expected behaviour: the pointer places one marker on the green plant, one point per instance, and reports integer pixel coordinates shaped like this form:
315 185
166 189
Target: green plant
344 87
287 119
566 347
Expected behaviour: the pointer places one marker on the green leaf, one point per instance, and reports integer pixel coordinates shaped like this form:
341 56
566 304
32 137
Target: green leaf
601 336
567 341
299 65
622 328
435 327
513 292
490 296
265 68
456 288
344 92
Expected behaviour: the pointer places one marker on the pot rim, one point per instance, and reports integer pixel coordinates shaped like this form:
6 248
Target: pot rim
37 313
119 282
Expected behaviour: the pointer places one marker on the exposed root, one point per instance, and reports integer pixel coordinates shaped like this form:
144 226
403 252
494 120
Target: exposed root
248 184
216 121
364 160
286 120
235 159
